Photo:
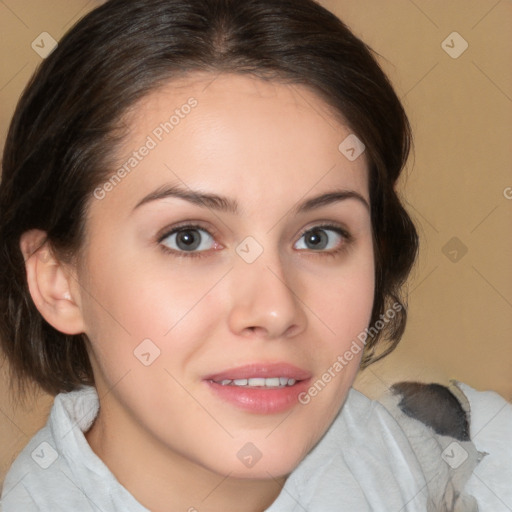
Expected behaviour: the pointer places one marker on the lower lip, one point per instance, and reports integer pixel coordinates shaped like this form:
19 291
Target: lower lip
260 400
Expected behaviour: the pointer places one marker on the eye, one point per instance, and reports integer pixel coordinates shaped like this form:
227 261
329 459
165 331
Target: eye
187 239
323 238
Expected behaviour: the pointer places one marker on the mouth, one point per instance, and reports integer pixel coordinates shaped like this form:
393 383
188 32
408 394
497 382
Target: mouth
260 388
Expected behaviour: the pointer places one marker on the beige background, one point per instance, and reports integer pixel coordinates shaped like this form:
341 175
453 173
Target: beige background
461 109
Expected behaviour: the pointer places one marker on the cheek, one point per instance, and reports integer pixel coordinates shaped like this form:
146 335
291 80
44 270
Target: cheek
129 299
344 299
344 306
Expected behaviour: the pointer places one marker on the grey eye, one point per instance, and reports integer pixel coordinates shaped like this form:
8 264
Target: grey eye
188 240
318 239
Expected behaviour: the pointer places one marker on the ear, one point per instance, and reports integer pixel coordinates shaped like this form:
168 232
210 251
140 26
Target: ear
51 284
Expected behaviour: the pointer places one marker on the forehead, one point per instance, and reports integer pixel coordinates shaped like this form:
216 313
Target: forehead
236 135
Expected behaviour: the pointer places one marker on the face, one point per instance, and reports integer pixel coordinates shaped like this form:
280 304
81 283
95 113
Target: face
226 271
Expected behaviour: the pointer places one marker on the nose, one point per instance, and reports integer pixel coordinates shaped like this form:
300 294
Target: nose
266 301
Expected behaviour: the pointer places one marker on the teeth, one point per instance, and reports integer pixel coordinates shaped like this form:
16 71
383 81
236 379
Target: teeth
259 382
273 382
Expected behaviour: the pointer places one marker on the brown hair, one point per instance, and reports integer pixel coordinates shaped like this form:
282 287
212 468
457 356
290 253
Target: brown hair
66 126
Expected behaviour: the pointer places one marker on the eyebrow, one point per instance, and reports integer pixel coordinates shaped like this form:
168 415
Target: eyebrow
225 204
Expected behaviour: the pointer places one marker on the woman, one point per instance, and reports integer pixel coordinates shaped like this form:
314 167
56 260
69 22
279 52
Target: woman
203 245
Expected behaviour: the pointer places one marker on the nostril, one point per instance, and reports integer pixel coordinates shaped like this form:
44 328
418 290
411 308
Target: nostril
256 329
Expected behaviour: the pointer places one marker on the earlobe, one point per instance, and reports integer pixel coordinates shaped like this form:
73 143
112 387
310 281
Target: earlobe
50 284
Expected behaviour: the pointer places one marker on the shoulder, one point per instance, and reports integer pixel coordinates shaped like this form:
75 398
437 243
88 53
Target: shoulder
491 431
363 462
58 471
41 472
463 440
436 420
411 449
30 473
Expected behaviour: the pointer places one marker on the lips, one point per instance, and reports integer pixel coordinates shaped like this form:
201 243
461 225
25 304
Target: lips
260 388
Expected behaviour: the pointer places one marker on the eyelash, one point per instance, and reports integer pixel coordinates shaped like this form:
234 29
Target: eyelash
201 254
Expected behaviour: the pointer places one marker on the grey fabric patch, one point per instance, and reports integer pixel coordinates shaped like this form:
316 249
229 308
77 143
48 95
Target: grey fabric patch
435 406
436 420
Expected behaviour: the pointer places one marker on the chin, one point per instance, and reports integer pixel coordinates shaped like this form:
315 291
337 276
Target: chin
271 469
270 460
259 460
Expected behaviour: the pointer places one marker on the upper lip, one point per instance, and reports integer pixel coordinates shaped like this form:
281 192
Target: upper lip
261 370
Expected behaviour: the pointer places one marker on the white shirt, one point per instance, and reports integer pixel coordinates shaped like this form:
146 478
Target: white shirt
365 462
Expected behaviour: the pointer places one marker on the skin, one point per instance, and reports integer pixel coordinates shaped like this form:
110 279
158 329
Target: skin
162 432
